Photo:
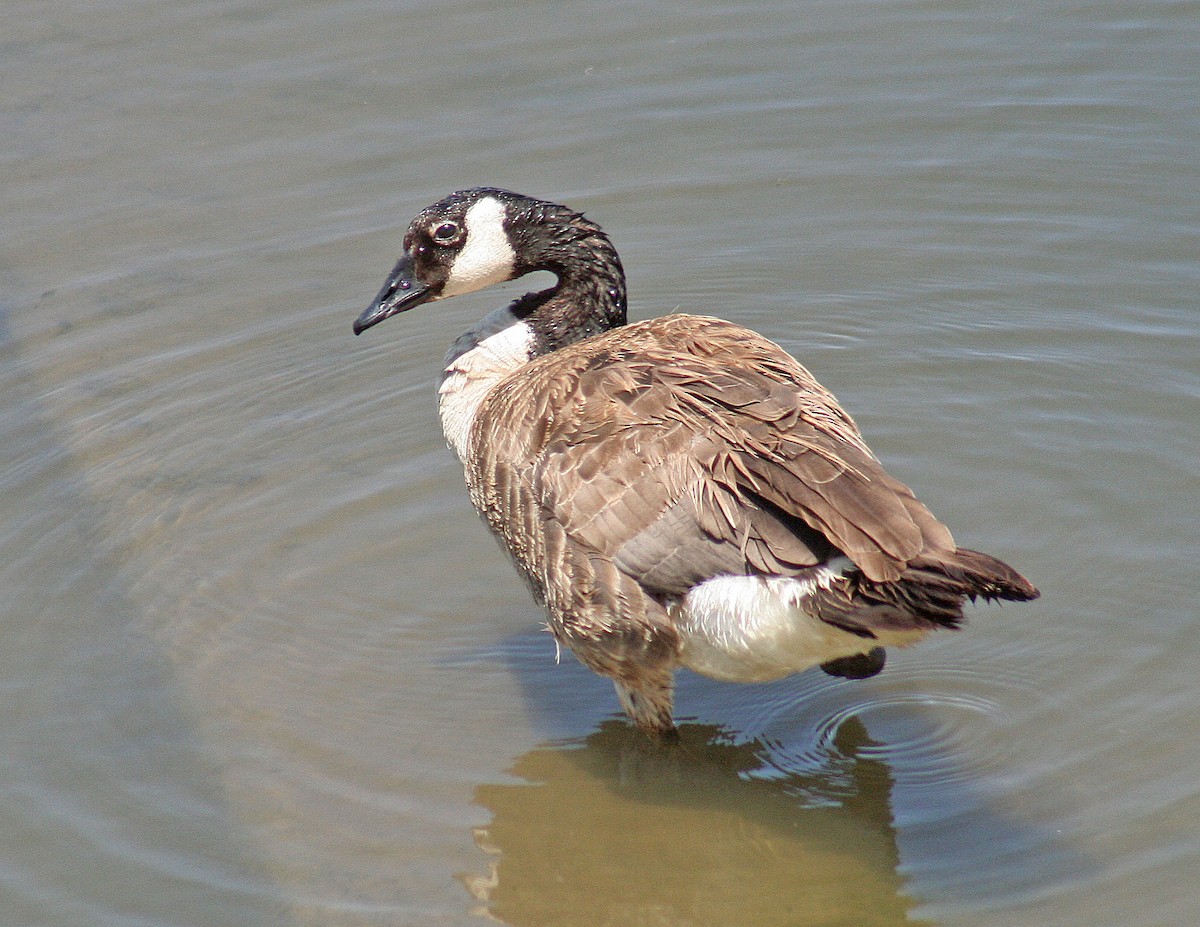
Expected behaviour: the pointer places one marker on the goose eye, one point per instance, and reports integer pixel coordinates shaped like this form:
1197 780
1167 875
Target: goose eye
445 233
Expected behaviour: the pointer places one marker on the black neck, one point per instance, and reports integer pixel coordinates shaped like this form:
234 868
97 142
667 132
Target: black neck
589 297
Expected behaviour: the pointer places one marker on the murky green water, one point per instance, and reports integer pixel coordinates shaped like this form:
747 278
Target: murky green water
260 663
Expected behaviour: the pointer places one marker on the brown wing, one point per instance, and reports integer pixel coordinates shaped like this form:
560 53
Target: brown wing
709 450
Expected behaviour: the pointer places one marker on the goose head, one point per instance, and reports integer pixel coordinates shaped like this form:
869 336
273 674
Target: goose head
482 236
457 245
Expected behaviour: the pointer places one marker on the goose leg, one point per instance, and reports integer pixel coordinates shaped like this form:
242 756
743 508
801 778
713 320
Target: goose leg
649 700
859 666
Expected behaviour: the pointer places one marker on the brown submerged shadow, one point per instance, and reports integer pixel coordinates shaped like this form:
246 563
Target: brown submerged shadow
112 806
617 829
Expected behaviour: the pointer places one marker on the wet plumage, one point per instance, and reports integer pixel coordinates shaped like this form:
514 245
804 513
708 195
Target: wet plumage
677 492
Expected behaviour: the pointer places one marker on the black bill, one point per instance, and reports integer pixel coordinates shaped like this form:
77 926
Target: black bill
401 291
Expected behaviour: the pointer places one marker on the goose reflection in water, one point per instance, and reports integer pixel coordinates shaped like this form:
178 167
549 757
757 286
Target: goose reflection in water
615 829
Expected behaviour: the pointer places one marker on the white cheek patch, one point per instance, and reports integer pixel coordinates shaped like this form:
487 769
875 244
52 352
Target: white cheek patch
487 257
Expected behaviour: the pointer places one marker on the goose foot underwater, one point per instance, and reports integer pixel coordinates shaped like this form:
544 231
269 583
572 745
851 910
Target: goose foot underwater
676 492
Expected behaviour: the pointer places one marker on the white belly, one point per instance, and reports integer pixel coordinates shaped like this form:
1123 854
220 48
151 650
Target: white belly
753 629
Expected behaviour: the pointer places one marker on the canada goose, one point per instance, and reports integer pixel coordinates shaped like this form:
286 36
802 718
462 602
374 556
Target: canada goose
677 492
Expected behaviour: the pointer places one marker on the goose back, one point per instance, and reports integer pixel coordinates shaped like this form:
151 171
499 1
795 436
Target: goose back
625 470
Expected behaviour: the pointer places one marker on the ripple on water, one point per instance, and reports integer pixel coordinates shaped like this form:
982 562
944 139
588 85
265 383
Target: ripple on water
934 733
969 791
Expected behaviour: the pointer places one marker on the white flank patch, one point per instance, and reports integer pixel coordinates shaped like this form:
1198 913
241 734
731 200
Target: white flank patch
752 628
477 361
487 257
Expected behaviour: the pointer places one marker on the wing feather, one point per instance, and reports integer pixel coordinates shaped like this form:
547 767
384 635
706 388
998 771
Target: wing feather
659 455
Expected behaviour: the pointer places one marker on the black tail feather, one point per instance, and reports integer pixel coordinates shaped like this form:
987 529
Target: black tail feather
929 594
983 576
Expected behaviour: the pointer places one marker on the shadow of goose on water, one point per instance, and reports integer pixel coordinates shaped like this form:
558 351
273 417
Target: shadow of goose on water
109 806
618 829
732 826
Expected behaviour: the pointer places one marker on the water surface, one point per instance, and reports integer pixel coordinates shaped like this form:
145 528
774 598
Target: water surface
261 664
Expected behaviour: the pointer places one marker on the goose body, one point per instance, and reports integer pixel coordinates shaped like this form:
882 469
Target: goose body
676 492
